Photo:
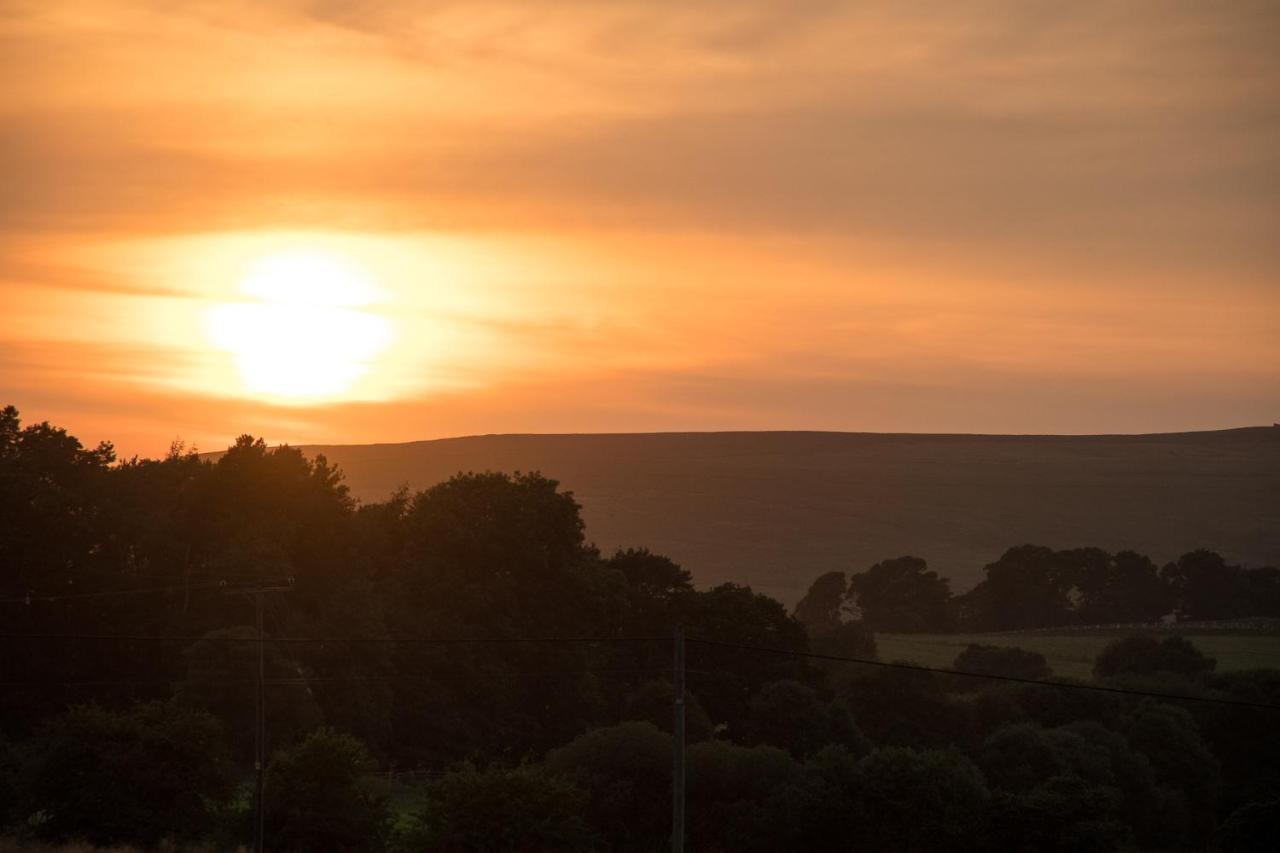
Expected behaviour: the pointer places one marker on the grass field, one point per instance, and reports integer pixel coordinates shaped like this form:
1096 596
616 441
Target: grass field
1071 653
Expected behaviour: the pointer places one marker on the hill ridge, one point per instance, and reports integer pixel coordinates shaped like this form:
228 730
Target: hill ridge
774 509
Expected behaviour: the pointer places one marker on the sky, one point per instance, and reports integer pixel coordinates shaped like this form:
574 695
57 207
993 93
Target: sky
355 222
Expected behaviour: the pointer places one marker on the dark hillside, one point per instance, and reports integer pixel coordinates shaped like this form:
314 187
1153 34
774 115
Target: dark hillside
774 509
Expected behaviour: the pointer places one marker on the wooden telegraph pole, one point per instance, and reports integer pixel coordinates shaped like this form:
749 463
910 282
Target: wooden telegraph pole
260 712
678 769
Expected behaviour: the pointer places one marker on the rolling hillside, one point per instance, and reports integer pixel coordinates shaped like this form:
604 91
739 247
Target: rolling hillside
775 509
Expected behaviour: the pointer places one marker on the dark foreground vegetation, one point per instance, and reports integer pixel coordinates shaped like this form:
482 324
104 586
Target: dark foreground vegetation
459 670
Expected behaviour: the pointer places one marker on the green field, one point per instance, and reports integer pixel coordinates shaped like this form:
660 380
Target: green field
1072 653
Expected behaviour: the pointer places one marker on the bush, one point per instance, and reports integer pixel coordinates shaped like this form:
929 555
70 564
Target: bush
1007 661
918 801
744 799
654 702
790 715
500 809
625 771
1252 828
316 798
158 770
1145 655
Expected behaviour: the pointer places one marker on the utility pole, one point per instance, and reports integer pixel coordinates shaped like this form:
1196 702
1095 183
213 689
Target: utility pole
677 775
260 714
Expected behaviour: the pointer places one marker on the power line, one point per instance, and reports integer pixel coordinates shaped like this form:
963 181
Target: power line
33 598
939 671
400 641
446 641
301 681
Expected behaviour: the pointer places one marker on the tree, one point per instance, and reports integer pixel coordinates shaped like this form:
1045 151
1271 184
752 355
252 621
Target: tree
1262 590
316 798
1252 828
1007 661
1026 588
905 708
625 771
744 799
902 595
1125 587
654 702
501 809
221 674
1145 655
1185 769
1064 813
157 770
737 614
790 715
821 609
1204 586
494 555
920 801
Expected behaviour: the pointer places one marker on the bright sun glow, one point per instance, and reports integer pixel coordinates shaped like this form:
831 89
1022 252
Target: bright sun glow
303 332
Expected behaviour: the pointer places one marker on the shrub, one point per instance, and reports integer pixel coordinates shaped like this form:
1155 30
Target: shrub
1005 661
160 769
316 798
501 809
1145 655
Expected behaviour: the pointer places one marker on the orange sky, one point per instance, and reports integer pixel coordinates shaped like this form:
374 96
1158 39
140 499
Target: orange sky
572 216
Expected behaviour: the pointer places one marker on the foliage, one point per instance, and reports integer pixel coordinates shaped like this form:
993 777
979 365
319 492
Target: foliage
1010 662
501 810
744 798
654 702
1252 828
625 771
1145 655
160 769
822 607
1184 768
901 595
221 671
920 801
1026 588
420 625
316 798
790 715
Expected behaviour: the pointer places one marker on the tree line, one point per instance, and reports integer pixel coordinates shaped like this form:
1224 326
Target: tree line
1032 586
471 632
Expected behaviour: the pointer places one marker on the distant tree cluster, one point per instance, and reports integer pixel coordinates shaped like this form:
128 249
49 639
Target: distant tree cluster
442 636
1031 586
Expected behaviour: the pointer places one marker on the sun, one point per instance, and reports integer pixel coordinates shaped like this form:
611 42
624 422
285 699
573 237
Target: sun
303 330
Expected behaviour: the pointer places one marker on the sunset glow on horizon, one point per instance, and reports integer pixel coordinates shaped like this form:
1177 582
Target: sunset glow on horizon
365 222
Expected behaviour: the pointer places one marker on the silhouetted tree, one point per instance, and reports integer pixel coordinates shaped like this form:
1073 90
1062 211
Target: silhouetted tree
654 702
919 801
1026 588
221 675
1204 586
821 610
744 798
318 799
625 771
160 769
1002 660
1125 587
1186 771
791 715
1252 828
902 595
501 809
1145 655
